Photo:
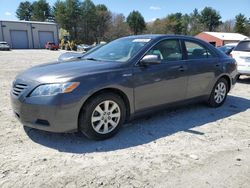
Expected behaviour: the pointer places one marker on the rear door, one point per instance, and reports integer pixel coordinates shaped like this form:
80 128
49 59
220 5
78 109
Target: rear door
203 68
162 83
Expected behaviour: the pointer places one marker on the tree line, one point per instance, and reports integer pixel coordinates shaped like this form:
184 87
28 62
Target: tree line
87 23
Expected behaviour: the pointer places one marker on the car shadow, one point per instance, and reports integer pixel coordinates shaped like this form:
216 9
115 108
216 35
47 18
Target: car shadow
143 131
244 80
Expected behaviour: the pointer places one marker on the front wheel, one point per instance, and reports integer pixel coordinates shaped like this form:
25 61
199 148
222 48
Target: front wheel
219 93
102 116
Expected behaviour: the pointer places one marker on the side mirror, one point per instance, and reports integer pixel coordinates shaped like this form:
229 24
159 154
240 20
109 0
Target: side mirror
150 59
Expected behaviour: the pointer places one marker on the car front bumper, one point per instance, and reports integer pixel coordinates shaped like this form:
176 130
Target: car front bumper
4 48
53 118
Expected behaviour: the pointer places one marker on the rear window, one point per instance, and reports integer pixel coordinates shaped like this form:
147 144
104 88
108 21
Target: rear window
243 46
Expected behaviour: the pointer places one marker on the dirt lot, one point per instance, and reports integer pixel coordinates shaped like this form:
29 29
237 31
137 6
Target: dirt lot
192 146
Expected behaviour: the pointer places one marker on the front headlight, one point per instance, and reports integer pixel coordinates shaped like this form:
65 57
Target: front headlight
54 89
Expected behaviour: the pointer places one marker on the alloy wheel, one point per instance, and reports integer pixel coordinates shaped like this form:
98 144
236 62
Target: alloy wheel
220 92
105 117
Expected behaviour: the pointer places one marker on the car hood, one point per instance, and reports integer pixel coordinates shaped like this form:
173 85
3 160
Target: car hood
65 71
70 56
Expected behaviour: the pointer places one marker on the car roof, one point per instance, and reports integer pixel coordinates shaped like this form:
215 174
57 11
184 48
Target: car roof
158 36
247 40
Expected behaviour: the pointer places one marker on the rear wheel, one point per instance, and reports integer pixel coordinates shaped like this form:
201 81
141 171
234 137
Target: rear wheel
102 116
219 93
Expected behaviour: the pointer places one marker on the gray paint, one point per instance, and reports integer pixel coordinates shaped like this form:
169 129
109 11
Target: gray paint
145 87
32 28
2 36
19 39
32 36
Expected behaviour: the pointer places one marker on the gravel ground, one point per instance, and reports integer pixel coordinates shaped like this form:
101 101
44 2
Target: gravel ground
192 146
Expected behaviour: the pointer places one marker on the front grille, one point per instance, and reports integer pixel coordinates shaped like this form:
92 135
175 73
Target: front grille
18 89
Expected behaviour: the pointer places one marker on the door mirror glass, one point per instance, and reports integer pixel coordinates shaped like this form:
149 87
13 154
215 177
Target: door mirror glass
150 59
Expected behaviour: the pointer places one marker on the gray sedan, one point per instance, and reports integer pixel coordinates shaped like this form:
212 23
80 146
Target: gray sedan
128 77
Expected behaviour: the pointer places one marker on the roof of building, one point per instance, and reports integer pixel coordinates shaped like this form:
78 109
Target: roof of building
32 22
227 36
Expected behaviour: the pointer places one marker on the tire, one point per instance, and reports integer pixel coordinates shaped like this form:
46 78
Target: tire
98 123
219 93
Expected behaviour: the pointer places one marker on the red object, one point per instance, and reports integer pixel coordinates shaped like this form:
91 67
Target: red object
211 39
51 46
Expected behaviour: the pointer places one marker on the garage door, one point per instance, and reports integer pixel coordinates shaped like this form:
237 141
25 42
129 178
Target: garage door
19 39
45 37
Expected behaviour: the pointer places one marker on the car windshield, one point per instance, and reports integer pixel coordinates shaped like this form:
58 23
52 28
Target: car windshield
3 42
120 50
243 46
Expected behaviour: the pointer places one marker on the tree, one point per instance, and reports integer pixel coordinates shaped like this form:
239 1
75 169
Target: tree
241 24
195 25
59 12
156 27
227 26
88 21
173 23
136 22
24 11
72 17
210 19
103 20
40 10
185 24
67 15
117 28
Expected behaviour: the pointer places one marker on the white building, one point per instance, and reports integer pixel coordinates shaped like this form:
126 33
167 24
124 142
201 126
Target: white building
28 34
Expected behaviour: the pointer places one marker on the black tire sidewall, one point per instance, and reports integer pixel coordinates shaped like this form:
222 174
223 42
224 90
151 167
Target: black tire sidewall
212 101
85 125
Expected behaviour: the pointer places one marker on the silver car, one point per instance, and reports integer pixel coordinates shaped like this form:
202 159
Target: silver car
4 46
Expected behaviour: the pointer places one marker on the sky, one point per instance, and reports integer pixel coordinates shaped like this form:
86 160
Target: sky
151 9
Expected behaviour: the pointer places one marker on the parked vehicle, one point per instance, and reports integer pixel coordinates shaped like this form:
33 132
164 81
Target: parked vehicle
51 46
84 47
4 46
228 48
241 54
69 56
125 78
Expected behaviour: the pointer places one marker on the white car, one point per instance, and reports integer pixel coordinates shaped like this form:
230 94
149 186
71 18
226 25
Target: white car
4 46
241 54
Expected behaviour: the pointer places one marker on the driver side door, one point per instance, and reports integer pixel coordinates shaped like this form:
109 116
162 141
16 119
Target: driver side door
166 82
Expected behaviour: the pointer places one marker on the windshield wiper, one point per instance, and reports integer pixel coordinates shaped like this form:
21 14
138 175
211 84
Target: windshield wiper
91 59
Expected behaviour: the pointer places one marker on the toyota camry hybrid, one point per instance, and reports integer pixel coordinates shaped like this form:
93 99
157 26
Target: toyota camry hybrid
128 77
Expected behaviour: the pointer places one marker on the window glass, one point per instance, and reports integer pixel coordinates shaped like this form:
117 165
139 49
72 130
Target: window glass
196 51
168 50
243 46
120 50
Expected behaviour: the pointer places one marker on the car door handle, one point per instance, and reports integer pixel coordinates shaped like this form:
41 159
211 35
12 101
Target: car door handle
182 68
